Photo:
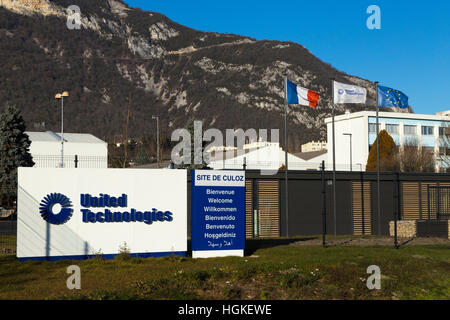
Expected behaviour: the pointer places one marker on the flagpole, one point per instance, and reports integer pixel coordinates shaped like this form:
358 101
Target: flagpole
378 163
334 158
286 155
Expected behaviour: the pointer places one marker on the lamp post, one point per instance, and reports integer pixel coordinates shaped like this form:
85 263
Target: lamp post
350 135
61 96
157 137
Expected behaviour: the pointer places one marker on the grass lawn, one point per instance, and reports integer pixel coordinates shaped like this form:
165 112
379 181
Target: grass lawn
7 243
272 270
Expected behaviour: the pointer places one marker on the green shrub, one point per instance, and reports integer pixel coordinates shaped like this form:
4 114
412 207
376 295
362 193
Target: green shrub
124 252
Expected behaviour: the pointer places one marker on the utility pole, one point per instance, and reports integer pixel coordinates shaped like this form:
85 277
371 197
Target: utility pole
125 152
157 138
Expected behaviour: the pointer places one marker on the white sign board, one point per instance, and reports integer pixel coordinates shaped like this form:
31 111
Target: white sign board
77 213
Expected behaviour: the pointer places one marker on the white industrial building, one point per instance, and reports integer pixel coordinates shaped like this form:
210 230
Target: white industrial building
80 150
264 156
357 132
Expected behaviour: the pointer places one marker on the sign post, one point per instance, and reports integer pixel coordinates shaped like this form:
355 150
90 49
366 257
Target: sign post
218 213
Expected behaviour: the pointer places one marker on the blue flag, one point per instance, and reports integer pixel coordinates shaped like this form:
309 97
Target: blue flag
388 97
292 97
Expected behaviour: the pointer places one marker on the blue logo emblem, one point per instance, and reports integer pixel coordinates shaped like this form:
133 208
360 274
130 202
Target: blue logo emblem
340 91
56 208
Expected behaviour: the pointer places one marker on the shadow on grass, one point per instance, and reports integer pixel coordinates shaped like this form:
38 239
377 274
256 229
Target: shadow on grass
251 245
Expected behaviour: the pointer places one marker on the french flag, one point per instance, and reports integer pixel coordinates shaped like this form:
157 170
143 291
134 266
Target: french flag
301 96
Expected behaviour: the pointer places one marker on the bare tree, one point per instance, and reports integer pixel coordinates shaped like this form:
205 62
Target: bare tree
415 158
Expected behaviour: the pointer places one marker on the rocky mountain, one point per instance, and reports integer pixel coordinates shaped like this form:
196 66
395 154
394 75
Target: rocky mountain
129 59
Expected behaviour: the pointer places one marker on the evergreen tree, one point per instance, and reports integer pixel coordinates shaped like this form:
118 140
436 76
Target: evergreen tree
142 157
14 153
388 154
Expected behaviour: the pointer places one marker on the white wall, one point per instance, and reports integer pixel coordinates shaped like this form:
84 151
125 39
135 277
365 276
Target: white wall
359 129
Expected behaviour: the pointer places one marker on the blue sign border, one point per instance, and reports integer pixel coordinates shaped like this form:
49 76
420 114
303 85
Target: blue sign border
217 226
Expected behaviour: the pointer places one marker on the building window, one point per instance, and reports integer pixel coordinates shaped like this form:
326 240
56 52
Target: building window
427 130
444 151
444 131
373 127
392 128
410 130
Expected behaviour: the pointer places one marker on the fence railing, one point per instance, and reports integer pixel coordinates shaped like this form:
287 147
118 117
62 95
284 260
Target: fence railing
70 161
275 165
8 232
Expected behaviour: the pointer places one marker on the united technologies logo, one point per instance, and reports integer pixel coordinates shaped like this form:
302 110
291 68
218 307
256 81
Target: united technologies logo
56 208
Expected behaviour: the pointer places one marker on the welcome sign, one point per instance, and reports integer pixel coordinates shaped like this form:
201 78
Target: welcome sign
218 213
77 213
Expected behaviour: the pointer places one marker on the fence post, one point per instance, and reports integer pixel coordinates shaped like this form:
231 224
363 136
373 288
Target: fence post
324 206
395 182
363 221
399 202
438 213
76 161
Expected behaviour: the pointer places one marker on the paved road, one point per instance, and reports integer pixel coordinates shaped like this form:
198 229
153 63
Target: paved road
8 227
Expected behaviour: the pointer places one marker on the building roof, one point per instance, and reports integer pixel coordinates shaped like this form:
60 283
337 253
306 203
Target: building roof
310 155
50 136
233 154
443 113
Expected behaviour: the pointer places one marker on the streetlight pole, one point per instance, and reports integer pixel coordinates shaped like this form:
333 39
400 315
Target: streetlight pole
286 176
334 157
157 137
350 135
378 162
61 96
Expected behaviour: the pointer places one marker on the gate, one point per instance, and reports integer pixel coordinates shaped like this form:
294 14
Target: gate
262 209
438 202
361 208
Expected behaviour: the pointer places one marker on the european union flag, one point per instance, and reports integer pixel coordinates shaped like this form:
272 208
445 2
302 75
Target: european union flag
388 97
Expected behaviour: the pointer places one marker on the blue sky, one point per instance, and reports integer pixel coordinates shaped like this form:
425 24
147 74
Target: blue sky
411 51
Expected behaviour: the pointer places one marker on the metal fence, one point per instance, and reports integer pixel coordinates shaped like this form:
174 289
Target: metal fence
276 165
70 161
439 202
310 208
8 230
